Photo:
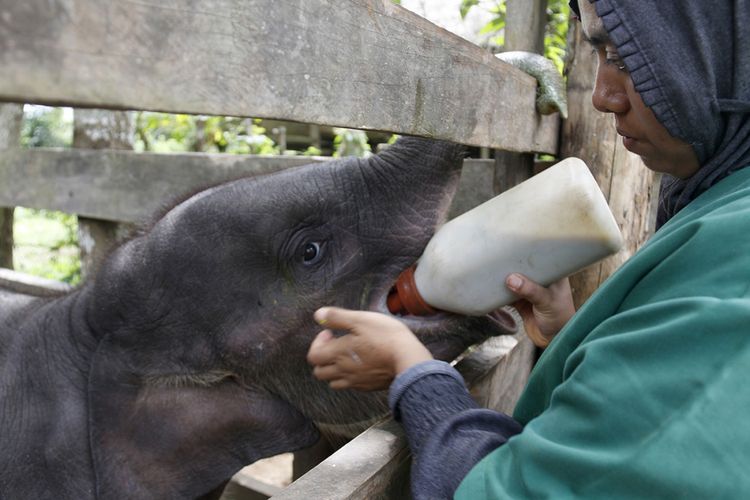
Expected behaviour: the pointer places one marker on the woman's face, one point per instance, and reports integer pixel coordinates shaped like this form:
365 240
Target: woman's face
614 93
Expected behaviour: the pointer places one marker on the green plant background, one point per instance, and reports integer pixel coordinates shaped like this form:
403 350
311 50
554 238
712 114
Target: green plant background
555 34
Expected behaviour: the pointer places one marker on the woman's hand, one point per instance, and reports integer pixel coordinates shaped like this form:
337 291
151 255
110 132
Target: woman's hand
376 348
544 310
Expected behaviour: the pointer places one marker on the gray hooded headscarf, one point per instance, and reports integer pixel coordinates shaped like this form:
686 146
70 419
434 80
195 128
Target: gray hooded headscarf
690 62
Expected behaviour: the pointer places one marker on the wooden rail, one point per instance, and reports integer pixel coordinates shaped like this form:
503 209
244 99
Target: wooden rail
365 64
373 465
30 285
124 186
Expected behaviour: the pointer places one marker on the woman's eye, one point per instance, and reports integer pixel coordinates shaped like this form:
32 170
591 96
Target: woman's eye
311 252
614 59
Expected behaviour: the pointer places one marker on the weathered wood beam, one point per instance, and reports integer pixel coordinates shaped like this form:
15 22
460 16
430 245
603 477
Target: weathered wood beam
524 30
31 285
100 129
10 131
124 186
525 21
119 185
245 487
372 465
502 386
365 64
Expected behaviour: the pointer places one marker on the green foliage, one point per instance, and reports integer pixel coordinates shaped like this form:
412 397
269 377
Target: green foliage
496 25
350 142
45 127
46 244
312 151
556 30
466 6
167 133
164 133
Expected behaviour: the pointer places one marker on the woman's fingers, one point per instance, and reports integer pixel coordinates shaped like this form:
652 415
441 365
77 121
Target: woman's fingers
544 310
334 375
339 384
354 321
527 289
374 349
327 372
321 351
554 300
334 317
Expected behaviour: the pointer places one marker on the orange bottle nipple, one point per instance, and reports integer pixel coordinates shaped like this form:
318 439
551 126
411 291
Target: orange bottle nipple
404 298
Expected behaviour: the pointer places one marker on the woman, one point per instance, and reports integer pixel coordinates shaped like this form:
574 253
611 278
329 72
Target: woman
642 392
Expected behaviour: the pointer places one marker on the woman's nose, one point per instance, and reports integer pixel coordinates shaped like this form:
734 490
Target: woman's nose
610 95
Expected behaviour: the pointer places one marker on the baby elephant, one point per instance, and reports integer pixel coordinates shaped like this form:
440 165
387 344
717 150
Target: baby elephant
184 359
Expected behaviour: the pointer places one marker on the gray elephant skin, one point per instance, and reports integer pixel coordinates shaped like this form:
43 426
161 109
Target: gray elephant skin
184 359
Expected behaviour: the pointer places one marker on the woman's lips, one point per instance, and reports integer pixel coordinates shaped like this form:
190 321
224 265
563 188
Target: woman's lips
628 141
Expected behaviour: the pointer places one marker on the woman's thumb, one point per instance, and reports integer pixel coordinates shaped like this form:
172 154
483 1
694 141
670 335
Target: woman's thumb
525 288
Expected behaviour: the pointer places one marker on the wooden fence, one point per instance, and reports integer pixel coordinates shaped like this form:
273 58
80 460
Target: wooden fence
366 64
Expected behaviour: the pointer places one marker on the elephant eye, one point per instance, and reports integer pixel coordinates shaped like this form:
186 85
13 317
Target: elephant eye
311 252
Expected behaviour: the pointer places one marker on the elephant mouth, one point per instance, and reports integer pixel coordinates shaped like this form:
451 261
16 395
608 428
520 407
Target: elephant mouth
447 334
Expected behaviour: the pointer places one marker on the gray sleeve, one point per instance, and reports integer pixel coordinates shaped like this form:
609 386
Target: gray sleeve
447 432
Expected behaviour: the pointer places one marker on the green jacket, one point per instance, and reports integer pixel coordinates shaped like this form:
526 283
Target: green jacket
646 392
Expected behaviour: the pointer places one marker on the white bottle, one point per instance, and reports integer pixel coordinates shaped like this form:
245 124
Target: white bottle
547 227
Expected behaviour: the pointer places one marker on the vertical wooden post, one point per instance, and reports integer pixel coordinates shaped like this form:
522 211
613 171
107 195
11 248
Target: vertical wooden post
10 134
525 21
100 129
280 134
627 184
524 30
315 136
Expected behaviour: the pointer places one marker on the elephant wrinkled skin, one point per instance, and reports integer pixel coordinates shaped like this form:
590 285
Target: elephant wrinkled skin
184 359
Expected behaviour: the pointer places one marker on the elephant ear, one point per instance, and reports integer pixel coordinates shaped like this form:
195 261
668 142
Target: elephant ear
157 441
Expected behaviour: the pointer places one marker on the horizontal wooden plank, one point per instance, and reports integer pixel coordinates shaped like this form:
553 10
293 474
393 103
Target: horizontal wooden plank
497 370
245 487
125 186
119 185
373 465
365 64
500 388
27 284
